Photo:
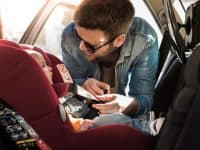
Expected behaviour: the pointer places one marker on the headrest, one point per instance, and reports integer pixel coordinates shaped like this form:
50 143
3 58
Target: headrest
60 87
192 23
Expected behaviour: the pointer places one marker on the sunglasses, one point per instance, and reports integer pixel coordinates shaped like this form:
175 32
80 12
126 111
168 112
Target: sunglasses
92 48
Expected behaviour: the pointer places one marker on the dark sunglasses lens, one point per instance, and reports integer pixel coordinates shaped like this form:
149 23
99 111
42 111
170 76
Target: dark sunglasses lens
89 47
76 34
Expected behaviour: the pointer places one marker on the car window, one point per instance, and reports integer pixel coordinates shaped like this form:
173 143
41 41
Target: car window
147 15
187 3
16 15
50 36
181 6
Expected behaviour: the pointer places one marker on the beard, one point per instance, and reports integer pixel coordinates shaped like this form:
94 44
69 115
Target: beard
110 55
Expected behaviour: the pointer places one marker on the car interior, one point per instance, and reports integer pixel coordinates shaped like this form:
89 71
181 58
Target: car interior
176 98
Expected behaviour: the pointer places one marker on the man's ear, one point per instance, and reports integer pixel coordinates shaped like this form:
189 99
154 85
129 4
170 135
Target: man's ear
120 40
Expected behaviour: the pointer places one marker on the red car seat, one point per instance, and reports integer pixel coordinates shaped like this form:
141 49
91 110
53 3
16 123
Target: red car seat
24 86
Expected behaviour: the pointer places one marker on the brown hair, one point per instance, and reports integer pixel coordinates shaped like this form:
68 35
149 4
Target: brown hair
111 16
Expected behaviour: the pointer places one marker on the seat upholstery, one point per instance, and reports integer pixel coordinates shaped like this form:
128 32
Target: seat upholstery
23 85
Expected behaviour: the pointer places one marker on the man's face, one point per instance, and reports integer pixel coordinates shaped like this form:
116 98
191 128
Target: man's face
94 44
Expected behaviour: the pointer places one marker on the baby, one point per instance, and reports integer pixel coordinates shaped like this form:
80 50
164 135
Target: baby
79 124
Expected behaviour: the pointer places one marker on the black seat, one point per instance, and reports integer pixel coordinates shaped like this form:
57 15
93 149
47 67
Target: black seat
181 127
180 130
168 73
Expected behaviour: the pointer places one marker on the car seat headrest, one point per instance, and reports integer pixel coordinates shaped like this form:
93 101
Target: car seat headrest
23 81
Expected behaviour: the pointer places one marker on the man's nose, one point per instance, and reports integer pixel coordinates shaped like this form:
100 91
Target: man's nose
82 46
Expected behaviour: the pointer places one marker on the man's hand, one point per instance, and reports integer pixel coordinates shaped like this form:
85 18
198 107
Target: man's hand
96 87
114 103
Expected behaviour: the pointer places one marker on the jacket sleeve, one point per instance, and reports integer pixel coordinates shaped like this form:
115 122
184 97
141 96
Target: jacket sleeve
143 77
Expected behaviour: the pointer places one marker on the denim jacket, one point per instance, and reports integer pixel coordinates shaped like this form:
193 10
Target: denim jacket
136 67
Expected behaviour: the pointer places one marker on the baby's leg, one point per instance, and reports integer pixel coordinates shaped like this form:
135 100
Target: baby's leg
108 119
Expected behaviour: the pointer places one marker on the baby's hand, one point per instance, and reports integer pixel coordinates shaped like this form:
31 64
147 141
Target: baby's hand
86 124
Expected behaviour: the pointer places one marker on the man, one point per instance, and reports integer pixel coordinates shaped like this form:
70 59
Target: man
108 49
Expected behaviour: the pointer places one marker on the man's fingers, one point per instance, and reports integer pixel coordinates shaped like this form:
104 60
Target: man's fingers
106 97
96 87
93 90
100 88
109 111
107 106
104 86
97 90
